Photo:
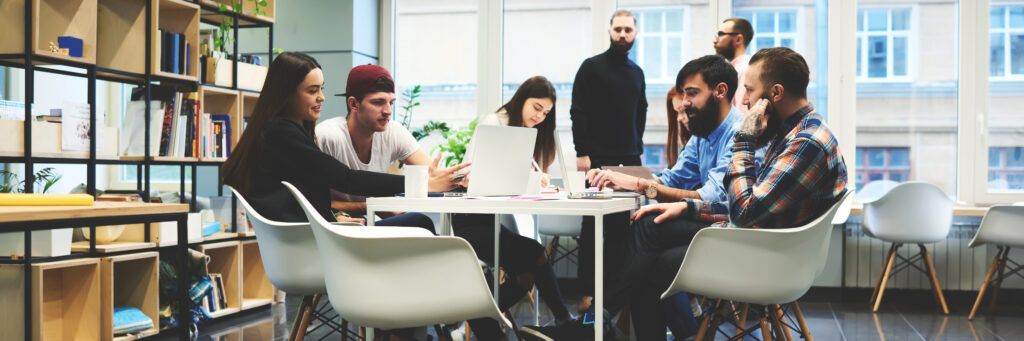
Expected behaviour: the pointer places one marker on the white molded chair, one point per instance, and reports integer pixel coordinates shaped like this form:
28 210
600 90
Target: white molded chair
399 277
910 213
1002 226
283 245
768 267
874 190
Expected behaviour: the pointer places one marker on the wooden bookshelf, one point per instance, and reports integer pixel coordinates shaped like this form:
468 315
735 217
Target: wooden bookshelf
256 287
46 141
65 300
249 6
248 105
121 35
51 19
130 280
183 159
219 101
181 17
226 259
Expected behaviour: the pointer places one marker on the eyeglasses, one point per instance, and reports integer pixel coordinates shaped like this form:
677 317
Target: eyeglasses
720 33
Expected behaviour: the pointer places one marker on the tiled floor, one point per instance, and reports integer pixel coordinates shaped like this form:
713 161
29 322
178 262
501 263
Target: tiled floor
827 321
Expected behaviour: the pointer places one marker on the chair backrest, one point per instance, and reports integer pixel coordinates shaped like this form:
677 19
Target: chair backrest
1002 225
560 225
843 212
760 266
912 212
874 190
289 253
387 277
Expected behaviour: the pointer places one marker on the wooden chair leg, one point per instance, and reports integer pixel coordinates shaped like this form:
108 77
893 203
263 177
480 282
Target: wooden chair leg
741 322
999 281
878 283
935 278
780 316
552 250
766 331
885 277
800 320
298 316
984 284
306 316
344 330
705 322
468 331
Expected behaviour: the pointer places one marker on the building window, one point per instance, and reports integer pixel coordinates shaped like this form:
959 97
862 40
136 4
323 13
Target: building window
658 49
882 163
1006 168
1006 36
772 28
883 43
654 157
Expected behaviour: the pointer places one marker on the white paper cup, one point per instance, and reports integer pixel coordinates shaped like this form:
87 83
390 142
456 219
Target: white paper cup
533 186
415 181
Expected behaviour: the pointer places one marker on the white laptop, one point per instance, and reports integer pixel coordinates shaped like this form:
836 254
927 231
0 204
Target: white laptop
577 189
501 160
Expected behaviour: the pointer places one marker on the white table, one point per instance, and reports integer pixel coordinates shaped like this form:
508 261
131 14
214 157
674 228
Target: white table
578 207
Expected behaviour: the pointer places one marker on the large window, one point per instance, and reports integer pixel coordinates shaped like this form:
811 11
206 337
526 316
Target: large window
654 157
1005 131
883 43
659 43
1006 37
883 163
772 28
436 48
919 114
546 38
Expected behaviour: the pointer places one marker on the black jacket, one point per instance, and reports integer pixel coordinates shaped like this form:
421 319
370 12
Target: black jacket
287 152
609 106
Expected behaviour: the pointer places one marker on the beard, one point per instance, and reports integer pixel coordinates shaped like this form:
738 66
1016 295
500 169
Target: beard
773 126
729 52
621 46
703 121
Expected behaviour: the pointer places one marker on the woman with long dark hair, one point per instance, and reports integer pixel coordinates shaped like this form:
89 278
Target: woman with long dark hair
278 145
522 258
678 129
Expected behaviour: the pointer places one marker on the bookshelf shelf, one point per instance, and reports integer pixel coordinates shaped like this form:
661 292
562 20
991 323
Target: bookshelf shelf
176 16
256 287
121 31
50 19
130 280
225 259
46 141
65 300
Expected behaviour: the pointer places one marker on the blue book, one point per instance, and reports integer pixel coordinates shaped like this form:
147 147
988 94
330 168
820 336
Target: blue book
173 53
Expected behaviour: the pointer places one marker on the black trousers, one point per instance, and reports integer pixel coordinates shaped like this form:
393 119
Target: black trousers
613 225
643 266
520 256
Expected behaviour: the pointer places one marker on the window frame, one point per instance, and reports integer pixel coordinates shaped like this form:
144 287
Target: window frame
798 26
887 169
862 37
666 76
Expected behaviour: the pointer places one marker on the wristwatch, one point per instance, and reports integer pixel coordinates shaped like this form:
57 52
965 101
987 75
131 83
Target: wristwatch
652 190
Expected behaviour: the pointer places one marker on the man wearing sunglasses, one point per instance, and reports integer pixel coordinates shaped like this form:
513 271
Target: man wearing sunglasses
734 35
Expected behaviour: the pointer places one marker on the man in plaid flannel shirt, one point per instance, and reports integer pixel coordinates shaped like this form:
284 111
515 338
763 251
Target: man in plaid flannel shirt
802 176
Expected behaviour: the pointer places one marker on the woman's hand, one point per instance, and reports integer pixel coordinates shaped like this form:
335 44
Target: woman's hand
443 179
545 180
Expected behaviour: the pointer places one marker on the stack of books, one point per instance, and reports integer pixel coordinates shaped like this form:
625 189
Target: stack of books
215 299
176 53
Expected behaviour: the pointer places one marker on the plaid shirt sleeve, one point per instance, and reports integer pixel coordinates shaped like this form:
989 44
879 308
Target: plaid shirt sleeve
788 179
707 211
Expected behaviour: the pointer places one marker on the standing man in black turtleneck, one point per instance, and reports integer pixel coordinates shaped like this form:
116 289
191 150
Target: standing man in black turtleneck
609 112
609 107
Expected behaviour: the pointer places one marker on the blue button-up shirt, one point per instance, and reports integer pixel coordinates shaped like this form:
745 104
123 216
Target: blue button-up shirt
703 161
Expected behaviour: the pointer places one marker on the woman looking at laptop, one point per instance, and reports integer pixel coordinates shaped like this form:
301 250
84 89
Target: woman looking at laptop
522 258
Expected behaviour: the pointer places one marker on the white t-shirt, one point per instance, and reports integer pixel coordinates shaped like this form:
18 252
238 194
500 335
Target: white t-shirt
741 63
392 144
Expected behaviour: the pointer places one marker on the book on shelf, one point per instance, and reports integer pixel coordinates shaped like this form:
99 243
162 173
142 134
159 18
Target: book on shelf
222 133
132 141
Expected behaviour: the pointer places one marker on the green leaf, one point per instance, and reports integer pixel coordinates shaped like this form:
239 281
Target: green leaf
223 8
263 3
